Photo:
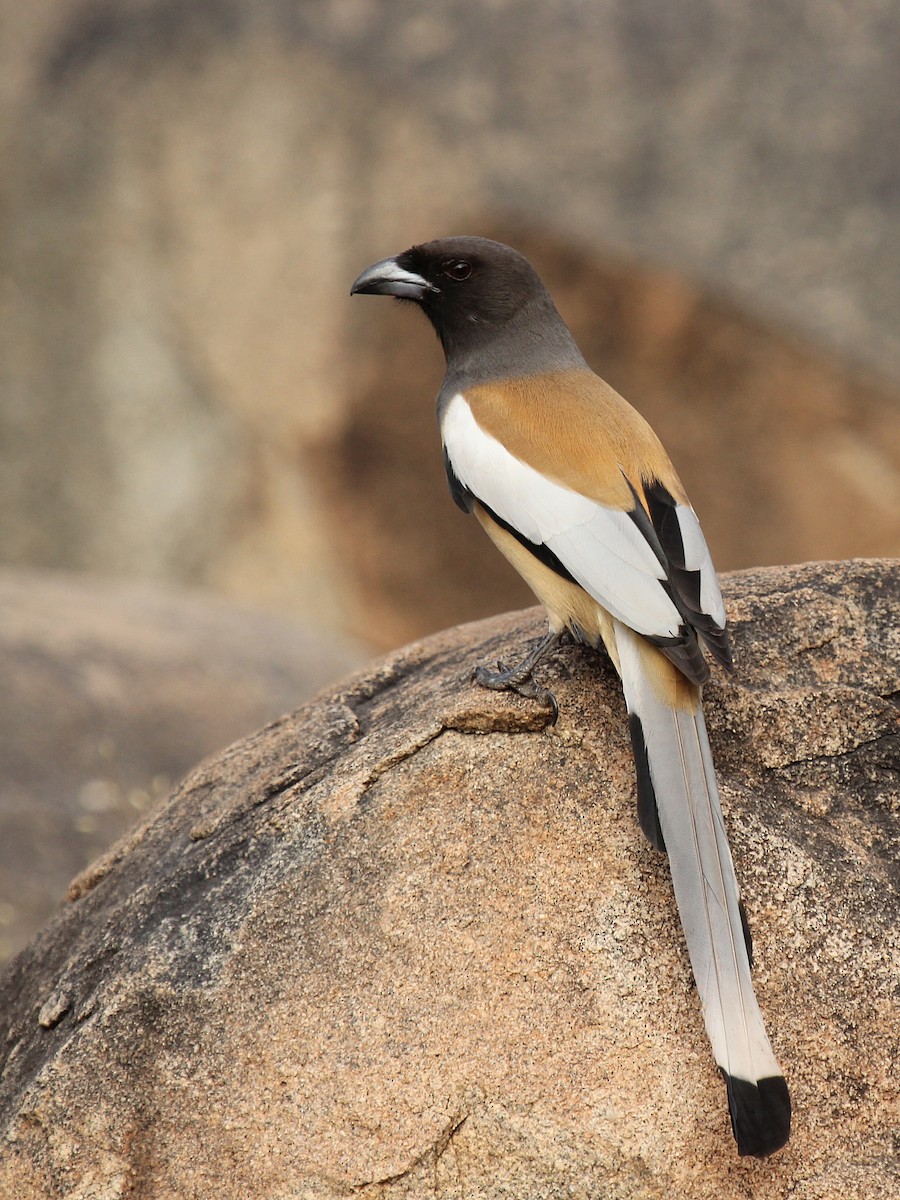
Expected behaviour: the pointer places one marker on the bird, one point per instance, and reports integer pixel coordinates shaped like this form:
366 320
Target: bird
576 490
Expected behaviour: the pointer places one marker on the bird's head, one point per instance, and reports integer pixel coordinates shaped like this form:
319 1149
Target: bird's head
470 288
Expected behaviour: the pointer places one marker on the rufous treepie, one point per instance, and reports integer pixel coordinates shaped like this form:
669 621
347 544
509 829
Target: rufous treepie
575 489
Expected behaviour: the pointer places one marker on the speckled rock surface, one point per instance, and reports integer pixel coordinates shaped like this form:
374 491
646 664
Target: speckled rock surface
409 941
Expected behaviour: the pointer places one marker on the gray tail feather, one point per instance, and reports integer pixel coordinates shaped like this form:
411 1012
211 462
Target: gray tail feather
680 810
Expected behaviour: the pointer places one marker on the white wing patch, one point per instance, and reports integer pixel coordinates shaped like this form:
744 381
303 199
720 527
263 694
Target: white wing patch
698 558
601 547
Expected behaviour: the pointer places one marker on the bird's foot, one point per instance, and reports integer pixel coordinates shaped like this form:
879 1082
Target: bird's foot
520 678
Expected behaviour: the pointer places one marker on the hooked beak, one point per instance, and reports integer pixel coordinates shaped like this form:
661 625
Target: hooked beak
388 278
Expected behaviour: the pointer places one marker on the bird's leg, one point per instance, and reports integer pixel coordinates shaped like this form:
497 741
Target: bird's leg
520 678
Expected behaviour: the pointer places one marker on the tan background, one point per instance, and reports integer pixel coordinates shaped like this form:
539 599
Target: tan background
188 394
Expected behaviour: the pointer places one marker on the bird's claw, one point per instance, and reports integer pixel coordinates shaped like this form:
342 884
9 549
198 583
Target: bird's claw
505 679
543 696
501 680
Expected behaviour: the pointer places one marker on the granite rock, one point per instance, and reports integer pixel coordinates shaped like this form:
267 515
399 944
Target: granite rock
409 941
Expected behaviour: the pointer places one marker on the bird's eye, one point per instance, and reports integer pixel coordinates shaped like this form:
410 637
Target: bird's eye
457 269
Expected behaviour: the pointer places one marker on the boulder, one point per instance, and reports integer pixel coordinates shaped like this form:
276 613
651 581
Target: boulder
410 942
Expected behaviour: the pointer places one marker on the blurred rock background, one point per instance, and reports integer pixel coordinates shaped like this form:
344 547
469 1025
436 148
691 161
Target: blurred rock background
188 397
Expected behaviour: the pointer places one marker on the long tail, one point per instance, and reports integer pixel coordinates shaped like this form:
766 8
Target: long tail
677 783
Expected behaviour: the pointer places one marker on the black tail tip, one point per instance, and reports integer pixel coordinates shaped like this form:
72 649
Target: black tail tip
760 1114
